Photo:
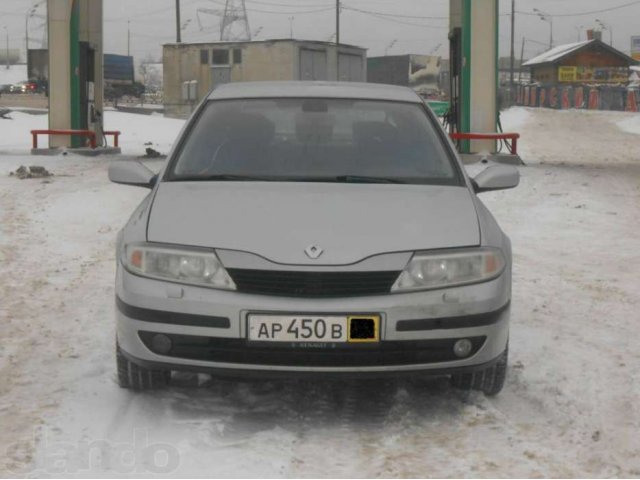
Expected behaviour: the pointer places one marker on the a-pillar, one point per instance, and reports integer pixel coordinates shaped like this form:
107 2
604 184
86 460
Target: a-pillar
75 83
478 86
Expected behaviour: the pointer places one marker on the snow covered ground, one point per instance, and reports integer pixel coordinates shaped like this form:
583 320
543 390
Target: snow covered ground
155 130
570 406
631 124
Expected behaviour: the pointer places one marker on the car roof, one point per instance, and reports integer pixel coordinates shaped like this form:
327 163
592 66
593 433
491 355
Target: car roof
306 89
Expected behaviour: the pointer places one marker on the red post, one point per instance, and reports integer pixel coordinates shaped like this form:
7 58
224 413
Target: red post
632 104
543 97
579 97
565 98
594 99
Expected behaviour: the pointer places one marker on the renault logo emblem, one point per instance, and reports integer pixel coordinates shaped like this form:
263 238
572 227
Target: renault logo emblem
313 251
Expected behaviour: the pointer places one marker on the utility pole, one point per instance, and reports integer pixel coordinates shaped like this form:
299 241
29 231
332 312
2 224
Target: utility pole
338 40
178 39
7 31
26 38
513 57
521 60
128 38
337 22
291 19
29 14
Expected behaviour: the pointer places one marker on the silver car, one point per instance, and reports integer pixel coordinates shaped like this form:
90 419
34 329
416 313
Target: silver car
306 228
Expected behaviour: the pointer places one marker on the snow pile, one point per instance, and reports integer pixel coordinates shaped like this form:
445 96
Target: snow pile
514 118
138 131
141 131
631 124
14 131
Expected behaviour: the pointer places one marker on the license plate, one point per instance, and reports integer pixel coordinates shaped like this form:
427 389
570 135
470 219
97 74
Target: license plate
314 329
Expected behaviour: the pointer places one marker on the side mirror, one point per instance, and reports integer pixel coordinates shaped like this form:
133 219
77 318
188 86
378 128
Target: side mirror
497 177
131 173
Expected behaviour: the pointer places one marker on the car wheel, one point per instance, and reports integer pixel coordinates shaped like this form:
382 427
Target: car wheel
490 380
135 377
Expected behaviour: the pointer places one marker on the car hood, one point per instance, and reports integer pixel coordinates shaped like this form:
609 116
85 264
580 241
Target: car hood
278 221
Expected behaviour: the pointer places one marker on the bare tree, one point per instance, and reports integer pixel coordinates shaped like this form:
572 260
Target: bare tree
150 74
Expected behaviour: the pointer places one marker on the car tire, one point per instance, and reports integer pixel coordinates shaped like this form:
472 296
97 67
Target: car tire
489 381
135 377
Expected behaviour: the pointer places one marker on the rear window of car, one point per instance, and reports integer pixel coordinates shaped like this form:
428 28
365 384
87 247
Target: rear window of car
311 139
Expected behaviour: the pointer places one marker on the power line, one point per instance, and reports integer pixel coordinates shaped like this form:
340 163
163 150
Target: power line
147 13
310 5
284 12
296 12
392 19
582 14
397 15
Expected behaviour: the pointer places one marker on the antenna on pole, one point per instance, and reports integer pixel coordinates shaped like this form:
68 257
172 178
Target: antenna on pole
235 23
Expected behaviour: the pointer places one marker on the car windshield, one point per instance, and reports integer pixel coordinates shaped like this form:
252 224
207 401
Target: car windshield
323 140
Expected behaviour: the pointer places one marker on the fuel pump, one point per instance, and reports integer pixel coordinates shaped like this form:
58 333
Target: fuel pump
454 115
90 117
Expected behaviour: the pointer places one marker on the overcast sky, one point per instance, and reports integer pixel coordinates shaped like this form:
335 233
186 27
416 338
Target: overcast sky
419 26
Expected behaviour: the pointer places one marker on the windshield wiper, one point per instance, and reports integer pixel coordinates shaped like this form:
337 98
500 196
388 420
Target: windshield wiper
222 177
253 178
366 179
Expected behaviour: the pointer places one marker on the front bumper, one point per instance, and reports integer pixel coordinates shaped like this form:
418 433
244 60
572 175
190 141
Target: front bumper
417 329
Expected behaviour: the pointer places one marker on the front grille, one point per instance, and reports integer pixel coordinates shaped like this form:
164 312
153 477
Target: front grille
238 351
312 284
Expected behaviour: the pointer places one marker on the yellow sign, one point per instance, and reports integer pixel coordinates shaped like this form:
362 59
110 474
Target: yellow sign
567 74
593 74
636 56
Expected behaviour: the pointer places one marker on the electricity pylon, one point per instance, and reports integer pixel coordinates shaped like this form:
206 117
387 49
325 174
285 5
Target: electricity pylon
235 23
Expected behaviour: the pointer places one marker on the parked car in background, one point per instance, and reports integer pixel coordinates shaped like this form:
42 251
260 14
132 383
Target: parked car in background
24 87
313 228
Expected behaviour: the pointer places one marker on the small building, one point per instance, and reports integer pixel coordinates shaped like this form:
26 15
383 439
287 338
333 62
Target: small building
420 72
191 70
588 62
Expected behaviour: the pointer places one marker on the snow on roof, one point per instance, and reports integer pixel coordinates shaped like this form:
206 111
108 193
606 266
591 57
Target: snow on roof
556 53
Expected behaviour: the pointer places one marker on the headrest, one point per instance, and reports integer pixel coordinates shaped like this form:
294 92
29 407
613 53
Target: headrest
250 127
375 133
314 127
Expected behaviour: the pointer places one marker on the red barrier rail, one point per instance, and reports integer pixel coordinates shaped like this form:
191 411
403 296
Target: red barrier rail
490 136
116 134
83 133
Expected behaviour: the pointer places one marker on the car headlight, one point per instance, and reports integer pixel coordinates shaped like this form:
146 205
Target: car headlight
194 267
428 271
